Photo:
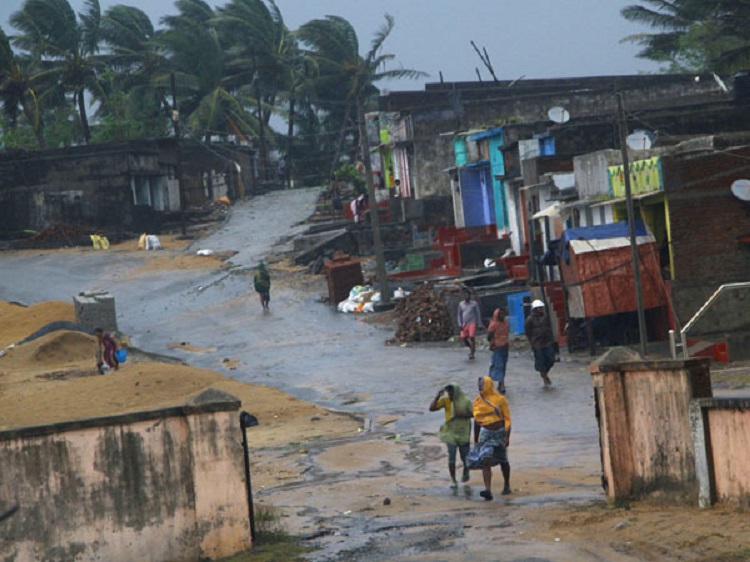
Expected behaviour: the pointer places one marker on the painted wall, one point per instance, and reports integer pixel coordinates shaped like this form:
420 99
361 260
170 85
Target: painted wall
721 433
163 485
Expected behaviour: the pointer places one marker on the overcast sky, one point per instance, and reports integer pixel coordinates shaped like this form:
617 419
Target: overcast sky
533 38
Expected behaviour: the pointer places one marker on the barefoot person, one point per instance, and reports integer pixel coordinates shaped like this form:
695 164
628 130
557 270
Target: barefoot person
497 336
262 283
491 436
106 352
456 431
469 319
539 333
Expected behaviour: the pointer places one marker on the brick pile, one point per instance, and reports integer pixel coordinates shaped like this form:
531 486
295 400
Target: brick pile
423 317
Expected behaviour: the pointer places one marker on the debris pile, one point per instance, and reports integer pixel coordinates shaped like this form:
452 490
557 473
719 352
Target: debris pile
423 317
63 233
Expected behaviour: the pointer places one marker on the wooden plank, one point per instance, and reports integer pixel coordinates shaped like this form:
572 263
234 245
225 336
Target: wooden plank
618 430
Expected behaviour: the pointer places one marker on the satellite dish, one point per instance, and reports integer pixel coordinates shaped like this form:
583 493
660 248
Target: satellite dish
741 189
640 140
720 82
558 114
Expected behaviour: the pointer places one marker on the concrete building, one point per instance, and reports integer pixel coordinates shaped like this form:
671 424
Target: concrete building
115 186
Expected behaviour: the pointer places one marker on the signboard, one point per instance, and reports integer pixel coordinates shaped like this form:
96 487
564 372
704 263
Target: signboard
645 177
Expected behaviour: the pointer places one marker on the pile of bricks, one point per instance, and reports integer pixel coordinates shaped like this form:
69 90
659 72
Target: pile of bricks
423 317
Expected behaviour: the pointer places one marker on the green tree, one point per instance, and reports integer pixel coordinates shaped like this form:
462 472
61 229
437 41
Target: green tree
343 71
131 105
346 80
65 46
18 91
693 35
210 97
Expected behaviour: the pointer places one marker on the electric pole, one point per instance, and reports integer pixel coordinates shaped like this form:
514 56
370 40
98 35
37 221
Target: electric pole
623 129
364 142
177 166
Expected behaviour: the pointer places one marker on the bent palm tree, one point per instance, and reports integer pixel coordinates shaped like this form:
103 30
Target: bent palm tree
65 45
343 71
18 80
211 101
694 35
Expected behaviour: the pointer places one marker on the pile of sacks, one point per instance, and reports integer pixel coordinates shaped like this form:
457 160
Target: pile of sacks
423 317
362 298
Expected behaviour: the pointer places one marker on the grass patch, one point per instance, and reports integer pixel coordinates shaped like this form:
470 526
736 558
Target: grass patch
273 542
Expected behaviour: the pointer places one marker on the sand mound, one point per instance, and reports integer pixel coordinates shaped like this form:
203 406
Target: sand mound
28 398
52 350
17 322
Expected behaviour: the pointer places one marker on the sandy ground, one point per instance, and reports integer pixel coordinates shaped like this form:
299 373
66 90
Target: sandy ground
54 378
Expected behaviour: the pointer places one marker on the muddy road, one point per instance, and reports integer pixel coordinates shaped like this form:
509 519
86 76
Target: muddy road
306 349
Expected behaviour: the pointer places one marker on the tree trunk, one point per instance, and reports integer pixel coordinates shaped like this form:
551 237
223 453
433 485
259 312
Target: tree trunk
340 142
290 140
262 157
84 119
37 124
385 293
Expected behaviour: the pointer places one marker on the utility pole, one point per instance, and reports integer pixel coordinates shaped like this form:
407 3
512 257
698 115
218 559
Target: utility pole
177 166
623 129
364 142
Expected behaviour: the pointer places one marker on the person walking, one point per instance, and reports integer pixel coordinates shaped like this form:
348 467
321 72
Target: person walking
497 336
262 284
539 333
456 431
491 436
469 319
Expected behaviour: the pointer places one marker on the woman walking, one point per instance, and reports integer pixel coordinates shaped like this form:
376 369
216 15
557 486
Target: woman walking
456 431
491 436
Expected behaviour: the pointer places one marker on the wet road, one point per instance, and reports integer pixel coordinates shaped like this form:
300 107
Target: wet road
306 349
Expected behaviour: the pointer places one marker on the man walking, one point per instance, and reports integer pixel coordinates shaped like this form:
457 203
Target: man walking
469 319
539 333
497 335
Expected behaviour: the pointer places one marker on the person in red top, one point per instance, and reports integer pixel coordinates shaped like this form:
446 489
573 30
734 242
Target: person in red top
497 335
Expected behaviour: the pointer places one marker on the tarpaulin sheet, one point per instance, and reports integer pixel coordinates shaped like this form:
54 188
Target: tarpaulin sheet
600 232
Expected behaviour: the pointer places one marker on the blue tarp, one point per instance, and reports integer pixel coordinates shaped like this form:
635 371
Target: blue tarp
600 232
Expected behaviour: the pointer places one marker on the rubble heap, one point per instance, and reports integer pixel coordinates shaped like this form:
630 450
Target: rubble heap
423 317
62 232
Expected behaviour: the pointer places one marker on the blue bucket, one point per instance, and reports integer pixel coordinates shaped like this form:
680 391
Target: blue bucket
121 355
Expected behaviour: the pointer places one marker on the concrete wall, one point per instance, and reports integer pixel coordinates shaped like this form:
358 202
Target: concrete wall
722 443
644 425
165 485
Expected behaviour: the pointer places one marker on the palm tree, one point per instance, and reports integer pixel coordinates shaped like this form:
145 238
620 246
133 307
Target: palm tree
134 59
18 80
346 74
265 55
65 46
211 98
693 35
347 80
